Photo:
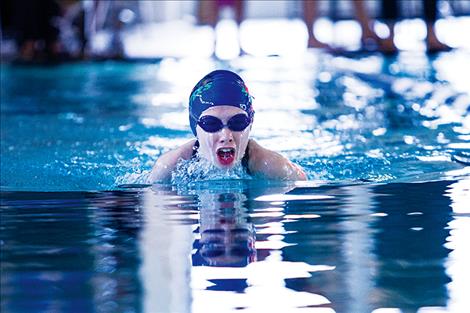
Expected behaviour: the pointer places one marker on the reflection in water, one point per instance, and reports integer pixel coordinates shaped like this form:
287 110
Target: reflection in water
226 236
357 240
355 248
386 243
224 274
117 222
165 246
70 252
409 246
45 261
459 258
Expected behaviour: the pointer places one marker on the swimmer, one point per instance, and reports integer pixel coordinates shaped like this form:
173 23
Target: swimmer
221 116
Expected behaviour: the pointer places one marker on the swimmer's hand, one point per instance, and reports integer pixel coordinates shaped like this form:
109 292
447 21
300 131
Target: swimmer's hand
272 165
166 163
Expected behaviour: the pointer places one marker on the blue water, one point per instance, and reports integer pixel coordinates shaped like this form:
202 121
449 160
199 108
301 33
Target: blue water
93 126
245 245
382 223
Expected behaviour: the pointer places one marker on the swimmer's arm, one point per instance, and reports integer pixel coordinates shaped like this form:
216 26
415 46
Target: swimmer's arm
273 165
166 163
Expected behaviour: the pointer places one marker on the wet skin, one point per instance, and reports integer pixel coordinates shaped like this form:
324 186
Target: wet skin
225 148
212 145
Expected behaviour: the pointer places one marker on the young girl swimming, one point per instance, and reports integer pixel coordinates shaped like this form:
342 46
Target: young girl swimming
221 116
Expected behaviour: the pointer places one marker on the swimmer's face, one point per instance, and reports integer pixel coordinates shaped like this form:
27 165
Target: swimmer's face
225 147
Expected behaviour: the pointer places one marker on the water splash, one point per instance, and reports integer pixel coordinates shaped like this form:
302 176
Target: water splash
127 179
199 169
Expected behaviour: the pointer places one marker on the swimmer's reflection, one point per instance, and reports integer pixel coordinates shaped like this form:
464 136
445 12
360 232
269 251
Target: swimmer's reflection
227 237
117 222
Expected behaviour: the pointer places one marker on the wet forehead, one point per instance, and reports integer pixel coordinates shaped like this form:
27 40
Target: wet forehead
223 111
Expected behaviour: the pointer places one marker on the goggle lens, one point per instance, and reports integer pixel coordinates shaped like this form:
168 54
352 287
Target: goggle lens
213 124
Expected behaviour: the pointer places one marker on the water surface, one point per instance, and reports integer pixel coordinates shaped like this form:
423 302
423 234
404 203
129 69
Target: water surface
240 245
382 223
94 126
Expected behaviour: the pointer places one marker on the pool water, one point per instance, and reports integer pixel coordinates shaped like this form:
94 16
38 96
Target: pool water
381 225
239 245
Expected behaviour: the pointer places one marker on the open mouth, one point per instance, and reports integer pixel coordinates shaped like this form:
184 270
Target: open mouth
226 156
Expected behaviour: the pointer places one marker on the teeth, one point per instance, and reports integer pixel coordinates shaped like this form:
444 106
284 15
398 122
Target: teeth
226 150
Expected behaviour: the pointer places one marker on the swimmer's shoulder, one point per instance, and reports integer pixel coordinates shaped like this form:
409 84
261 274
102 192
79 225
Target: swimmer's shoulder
166 163
272 165
184 151
261 159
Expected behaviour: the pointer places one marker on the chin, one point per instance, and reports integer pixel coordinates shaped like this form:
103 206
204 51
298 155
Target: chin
225 166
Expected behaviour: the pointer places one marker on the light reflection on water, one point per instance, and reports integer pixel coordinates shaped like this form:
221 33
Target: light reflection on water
336 242
239 245
99 125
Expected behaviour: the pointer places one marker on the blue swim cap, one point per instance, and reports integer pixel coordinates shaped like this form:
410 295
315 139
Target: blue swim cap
219 87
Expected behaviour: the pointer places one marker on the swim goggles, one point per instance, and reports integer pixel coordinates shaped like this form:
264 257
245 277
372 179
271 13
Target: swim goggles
212 124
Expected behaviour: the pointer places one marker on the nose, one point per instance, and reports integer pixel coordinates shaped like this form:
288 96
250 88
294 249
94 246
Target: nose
226 135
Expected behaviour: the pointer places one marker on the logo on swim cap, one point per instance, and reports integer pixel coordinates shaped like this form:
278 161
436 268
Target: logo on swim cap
220 87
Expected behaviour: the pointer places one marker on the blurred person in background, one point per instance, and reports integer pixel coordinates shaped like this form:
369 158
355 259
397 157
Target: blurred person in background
209 11
45 30
370 41
34 26
390 14
72 28
310 15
